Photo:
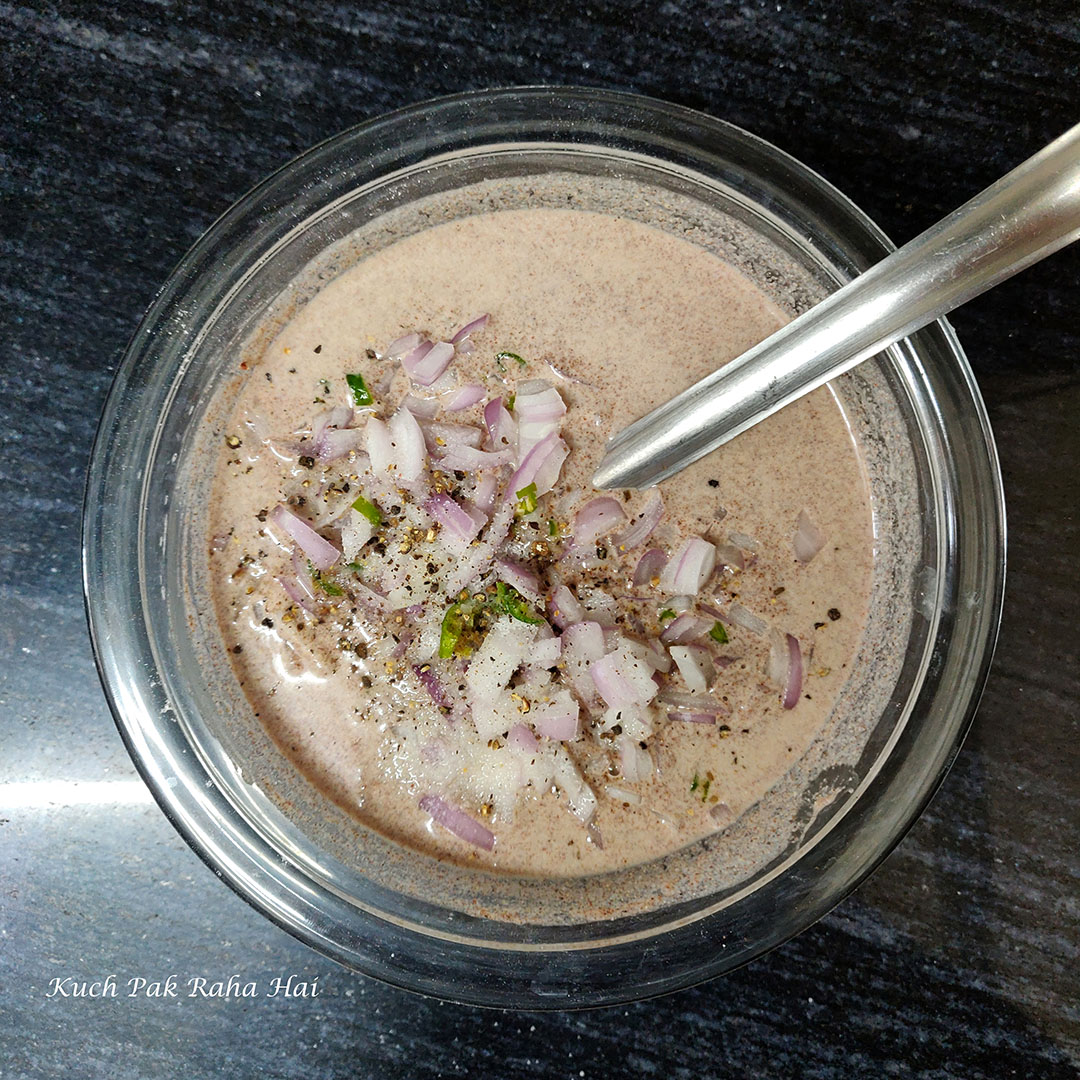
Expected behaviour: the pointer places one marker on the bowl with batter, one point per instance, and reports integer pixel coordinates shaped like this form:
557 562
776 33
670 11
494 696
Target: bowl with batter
417 691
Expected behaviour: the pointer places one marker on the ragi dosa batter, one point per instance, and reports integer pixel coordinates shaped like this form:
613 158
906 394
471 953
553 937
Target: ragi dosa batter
618 317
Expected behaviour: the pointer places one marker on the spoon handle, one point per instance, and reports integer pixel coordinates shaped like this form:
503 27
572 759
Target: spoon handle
1025 216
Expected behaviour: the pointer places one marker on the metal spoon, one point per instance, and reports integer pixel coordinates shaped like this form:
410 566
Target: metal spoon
1025 216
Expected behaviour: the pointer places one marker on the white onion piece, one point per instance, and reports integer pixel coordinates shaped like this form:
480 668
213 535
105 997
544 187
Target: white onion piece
502 653
693 702
794 680
685 627
501 427
597 518
295 593
808 539
689 568
402 345
622 679
583 643
457 821
565 607
622 795
567 777
649 567
321 552
336 444
546 653
635 764
521 738
658 659
523 580
340 416
640 529
469 459
355 533
469 328
538 408
487 487
407 442
464 396
441 438
370 599
478 557
741 540
428 361
730 556
557 719
424 408
541 467
740 616
459 527
694 666
693 717
378 445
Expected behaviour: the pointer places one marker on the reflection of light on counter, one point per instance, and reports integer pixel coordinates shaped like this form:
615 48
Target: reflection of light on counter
44 794
302 676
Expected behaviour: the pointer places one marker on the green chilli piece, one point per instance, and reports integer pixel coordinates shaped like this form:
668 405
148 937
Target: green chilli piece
553 529
509 601
328 587
360 392
718 633
510 399
459 620
667 613
504 356
368 509
527 498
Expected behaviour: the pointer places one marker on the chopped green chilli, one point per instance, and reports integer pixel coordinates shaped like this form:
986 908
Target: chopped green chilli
368 509
526 498
510 602
361 393
718 633
502 357
667 613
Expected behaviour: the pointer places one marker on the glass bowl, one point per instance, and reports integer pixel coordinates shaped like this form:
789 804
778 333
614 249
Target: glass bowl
467 935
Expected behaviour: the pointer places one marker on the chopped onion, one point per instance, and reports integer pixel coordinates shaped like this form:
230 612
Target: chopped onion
407 442
430 681
442 438
808 539
371 599
321 552
521 738
694 666
424 408
340 416
355 533
693 717
428 361
583 643
464 396
595 519
402 345
622 679
295 593
794 680
740 616
649 567
546 653
523 580
336 444
622 795
693 702
469 328
635 764
487 487
469 459
458 822
565 607
378 445
730 556
540 466
558 718
538 408
459 526
743 541
477 558
690 567
640 529
686 627
502 430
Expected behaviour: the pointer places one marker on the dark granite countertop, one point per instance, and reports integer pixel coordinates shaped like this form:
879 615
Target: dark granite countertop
126 129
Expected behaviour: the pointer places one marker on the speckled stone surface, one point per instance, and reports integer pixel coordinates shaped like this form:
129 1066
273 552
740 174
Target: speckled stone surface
125 130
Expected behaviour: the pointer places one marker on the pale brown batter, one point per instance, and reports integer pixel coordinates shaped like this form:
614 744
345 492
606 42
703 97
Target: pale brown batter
618 316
